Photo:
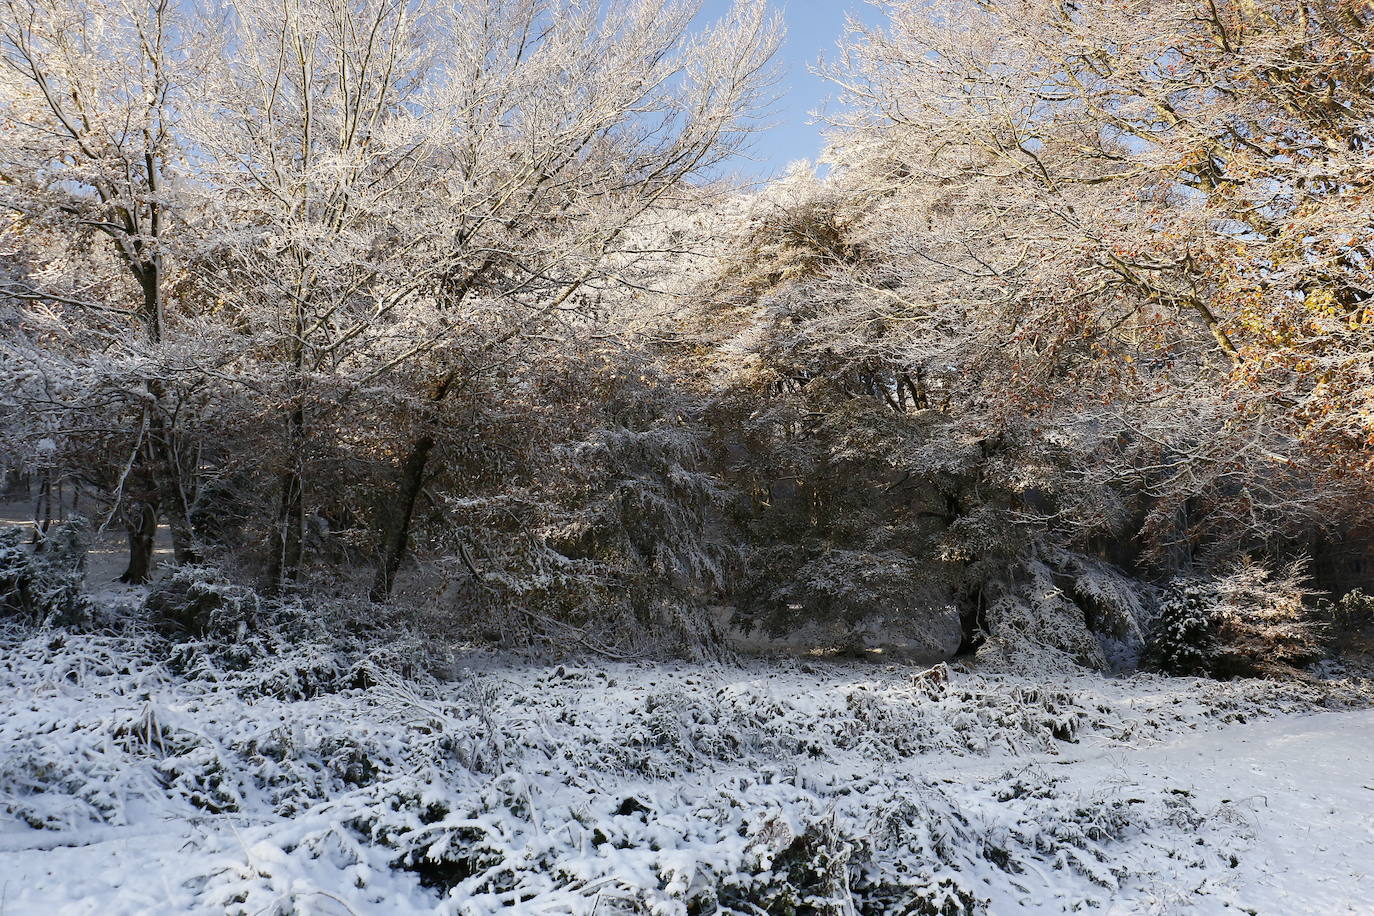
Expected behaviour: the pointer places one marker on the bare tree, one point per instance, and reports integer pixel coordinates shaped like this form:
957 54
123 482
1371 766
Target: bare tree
90 98
1174 198
404 191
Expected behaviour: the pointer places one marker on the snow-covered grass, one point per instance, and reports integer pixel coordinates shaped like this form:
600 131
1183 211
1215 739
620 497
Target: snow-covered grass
139 778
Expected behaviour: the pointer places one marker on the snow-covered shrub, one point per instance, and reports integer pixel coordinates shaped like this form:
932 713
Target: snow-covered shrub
1183 640
1035 625
1117 607
199 601
45 584
1354 612
47 787
742 845
674 789
1266 621
793 870
278 647
1249 621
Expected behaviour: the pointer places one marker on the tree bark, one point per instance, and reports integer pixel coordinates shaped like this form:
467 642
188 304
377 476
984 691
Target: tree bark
395 533
142 529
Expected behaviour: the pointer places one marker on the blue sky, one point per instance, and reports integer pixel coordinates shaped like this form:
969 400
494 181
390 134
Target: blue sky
813 28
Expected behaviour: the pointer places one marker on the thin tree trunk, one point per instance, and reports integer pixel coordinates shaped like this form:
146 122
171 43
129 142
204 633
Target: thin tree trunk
169 477
162 464
395 525
288 539
395 534
42 510
289 535
142 529
172 489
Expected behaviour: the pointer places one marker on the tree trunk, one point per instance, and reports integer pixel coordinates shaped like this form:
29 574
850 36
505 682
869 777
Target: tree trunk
167 475
42 510
142 528
288 548
289 535
395 525
395 533
172 490
171 487
183 541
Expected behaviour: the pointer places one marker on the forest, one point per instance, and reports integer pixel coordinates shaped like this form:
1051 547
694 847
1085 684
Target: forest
433 481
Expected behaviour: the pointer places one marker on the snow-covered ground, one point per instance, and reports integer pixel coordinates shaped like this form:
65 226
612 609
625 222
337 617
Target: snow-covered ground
136 779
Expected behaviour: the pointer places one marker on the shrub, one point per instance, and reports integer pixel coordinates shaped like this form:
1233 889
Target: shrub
1266 621
200 601
1354 612
1248 622
1183 640
45 585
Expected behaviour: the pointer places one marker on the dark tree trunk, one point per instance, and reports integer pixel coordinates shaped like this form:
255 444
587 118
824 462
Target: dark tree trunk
395 532
162 463
289 535
142 528
42 510
171 482
172 490
183 540
395 524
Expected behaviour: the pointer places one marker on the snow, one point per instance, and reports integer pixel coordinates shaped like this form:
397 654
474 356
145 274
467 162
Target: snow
127 787
1301 787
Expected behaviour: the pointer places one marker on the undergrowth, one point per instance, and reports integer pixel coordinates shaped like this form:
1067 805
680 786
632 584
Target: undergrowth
787 788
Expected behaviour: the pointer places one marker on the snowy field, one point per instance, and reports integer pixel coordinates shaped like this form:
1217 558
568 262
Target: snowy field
137 781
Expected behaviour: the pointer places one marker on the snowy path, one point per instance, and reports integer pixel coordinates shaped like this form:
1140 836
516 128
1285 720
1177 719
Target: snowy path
1305 785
